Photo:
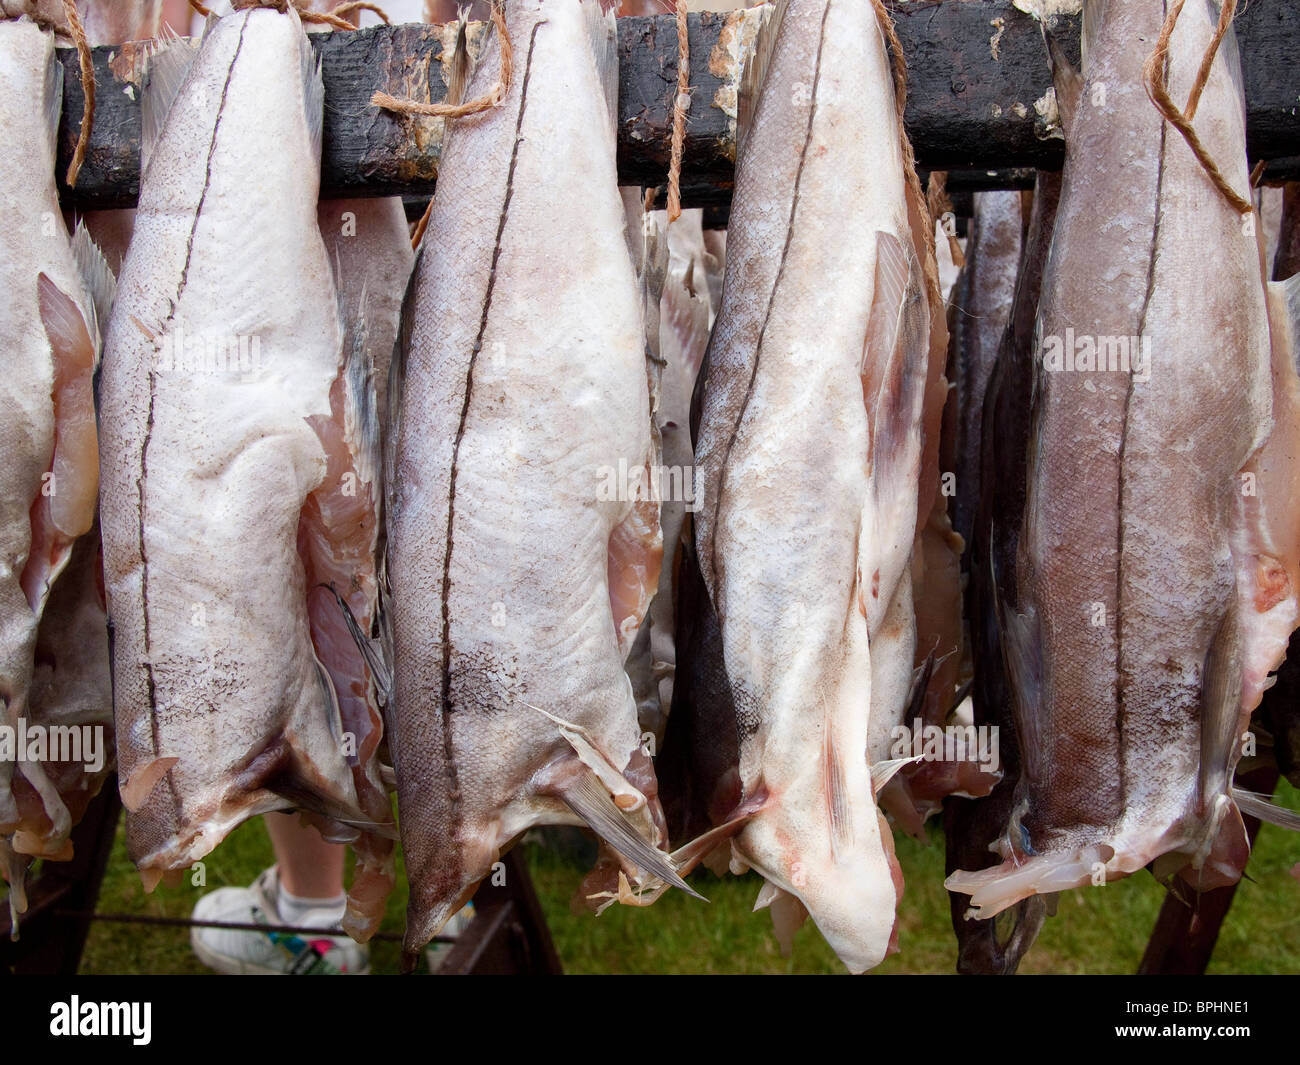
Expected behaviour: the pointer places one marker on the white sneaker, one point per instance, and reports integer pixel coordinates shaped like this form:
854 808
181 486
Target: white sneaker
270 953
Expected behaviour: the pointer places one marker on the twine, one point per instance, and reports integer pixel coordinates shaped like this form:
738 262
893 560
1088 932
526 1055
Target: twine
282 6
87 88
1155 75
363 5
490 99
680 106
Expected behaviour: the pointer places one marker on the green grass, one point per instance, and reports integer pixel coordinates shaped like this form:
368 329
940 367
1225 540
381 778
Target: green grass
1096 930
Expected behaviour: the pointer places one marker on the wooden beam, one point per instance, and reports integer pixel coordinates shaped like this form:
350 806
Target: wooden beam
978 75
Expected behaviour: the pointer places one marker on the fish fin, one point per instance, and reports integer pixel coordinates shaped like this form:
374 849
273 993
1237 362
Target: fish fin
1220 708
586 796
921 677
754 75
884 771
137 787
835 788
602 34
766 896
53 102
626 796
1067 81
397 385
165 71
371 650
1262 808
75 350
313 91
461 66
98 277
995 889
13 869
895 352
689 855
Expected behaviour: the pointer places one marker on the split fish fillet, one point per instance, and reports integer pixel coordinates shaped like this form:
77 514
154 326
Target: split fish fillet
1156 571
811 449
520 570
49 478
241 474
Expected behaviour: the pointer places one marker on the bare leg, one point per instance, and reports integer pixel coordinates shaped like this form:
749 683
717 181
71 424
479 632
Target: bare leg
309 867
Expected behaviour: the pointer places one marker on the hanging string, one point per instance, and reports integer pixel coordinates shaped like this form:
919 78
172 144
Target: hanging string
680 106
417 234
363 5
87 88
1155 74
282 6
472 107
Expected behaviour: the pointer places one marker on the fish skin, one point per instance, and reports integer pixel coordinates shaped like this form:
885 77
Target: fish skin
992 263
971 826
369 245
1111 717
810 407
200 467
1279 712
497 531
46 320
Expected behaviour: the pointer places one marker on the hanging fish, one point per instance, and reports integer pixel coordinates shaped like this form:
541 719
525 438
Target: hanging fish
521 557
1156 570
241 473
819 407
50 475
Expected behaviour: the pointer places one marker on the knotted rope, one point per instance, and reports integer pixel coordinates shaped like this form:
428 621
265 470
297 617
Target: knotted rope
1155 74
471 107
681 104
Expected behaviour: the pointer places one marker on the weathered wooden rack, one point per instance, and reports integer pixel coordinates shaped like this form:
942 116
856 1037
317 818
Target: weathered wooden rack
976 72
